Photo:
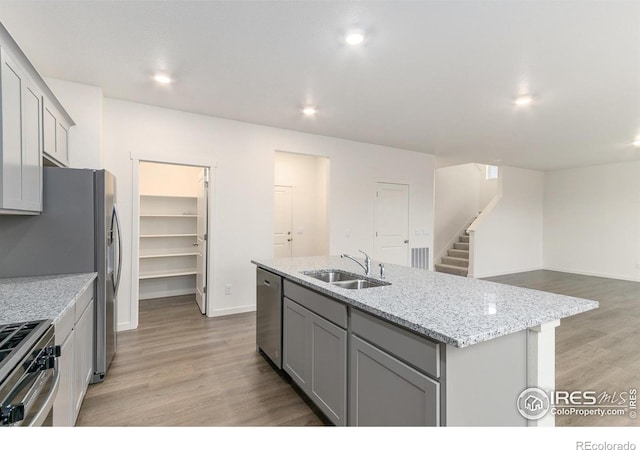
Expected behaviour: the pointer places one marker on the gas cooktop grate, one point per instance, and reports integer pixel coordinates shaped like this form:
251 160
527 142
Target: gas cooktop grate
13 334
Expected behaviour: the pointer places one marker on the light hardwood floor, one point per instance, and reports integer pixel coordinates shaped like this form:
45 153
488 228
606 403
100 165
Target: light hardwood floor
598 350
180 368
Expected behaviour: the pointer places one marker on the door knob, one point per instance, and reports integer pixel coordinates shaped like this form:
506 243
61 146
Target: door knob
195 244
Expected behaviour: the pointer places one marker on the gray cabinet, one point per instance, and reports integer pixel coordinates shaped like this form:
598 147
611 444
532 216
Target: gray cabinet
328 357
55 134
83 356
63 415
315 356
295 345
74 333
21 147
384 391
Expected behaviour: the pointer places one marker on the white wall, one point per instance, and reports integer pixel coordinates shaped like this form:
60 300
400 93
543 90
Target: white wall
461 192
84 105
508 235
244 179
456 202
487 188
169 179
592 220
305 174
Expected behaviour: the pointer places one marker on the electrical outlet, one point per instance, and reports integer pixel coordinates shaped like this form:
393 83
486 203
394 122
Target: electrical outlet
227 289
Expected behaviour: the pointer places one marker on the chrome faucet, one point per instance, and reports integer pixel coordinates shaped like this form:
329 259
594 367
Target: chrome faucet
367 262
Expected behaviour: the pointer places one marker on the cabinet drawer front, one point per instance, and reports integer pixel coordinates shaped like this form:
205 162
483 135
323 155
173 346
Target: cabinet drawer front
83 301
415 350
331 310
387 392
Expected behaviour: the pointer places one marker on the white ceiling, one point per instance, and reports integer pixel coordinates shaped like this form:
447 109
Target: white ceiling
433 76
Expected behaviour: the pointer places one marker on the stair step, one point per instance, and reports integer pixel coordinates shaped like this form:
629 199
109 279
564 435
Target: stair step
461 245
458 253
464 239
454 261
453 270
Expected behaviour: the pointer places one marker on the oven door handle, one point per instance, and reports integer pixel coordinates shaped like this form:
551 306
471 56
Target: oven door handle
41 415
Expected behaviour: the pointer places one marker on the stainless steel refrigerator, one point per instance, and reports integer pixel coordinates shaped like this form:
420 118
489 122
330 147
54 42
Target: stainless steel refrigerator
78 231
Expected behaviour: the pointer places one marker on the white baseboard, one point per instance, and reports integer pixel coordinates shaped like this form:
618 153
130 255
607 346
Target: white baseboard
593 274
168 293
230 311
506 272
124 326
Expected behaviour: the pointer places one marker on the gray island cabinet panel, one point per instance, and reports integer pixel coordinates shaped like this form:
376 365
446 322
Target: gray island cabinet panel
387 392
295 343
329 369
315 356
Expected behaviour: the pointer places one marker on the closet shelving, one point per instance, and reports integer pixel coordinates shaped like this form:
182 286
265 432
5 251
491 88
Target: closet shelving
167 259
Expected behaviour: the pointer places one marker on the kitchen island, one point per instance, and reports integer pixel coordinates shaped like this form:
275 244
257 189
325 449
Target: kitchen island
427 349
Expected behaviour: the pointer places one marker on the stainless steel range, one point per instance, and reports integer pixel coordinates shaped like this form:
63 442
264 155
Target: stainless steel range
29 375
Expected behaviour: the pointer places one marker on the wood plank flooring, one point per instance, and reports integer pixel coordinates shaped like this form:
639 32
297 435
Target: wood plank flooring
598 350
180 368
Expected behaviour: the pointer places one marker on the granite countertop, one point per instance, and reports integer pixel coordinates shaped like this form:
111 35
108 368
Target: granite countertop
448 308
45 297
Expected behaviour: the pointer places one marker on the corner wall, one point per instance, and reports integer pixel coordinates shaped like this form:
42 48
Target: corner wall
508 235
456 202
592 220
84 105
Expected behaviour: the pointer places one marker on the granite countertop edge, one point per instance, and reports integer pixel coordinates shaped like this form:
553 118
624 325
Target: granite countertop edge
455 341
48 297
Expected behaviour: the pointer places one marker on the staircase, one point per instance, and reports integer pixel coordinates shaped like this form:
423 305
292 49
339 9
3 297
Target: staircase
457 261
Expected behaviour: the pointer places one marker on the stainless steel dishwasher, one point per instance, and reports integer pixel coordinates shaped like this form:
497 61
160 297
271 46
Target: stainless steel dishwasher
269 315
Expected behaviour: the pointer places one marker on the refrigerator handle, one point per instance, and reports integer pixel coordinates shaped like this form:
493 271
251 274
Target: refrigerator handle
116 220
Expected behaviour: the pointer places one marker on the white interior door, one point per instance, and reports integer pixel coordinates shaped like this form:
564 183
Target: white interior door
201 241
392 223
282 221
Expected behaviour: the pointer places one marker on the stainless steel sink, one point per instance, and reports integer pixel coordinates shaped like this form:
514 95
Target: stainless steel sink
360 284
333 275
343 279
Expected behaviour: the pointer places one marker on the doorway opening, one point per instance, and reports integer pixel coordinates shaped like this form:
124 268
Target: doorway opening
301 193
392 223
173 232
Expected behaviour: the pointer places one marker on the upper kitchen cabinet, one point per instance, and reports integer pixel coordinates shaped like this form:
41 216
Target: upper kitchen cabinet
56 135
21 139
34 126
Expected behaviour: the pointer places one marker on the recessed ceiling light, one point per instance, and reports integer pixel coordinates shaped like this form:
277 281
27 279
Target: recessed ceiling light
637 142
309 111
354 38
523 100
162 78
